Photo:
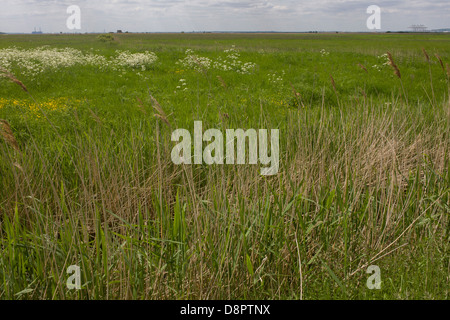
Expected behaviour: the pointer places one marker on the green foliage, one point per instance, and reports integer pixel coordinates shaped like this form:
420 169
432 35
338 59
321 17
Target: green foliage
106 37
364 175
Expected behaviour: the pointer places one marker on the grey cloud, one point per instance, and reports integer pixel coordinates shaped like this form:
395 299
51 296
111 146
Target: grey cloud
178 15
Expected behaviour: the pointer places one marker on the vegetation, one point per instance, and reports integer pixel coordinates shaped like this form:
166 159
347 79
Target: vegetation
86 176
106 37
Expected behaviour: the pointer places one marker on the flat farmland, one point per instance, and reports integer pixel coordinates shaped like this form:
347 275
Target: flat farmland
87 176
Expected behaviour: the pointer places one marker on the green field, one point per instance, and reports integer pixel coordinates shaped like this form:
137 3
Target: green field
86 176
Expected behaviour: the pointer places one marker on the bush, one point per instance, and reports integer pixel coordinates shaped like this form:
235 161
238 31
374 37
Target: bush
106 38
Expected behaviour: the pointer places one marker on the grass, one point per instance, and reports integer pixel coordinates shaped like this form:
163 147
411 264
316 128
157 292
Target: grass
363 179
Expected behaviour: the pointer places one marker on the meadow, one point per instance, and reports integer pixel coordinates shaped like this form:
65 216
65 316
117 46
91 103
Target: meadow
86 176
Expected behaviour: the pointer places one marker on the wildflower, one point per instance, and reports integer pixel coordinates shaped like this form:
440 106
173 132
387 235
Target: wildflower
323 52
231 62
37 60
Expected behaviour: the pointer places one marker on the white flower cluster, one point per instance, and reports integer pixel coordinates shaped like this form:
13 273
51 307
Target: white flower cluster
193 61
384 60
182 86
37 60
377 67
275 78
324 53
231 62
134 60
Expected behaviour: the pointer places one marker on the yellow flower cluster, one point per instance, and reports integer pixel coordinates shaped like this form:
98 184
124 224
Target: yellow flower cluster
274 101
55 104
280 103
12 102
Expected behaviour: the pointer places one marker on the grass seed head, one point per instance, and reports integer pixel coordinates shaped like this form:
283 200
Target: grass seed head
362 67
222 82
440 62
5 73
393 65
95 117
333 83
141 106
426 55
159 111
7 134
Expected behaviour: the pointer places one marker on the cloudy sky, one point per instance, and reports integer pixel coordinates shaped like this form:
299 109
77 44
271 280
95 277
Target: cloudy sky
220 15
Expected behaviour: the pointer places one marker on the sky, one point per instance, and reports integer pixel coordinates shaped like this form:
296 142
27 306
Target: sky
22 16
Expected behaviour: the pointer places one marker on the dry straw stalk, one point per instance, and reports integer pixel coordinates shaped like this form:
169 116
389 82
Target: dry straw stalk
7 134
